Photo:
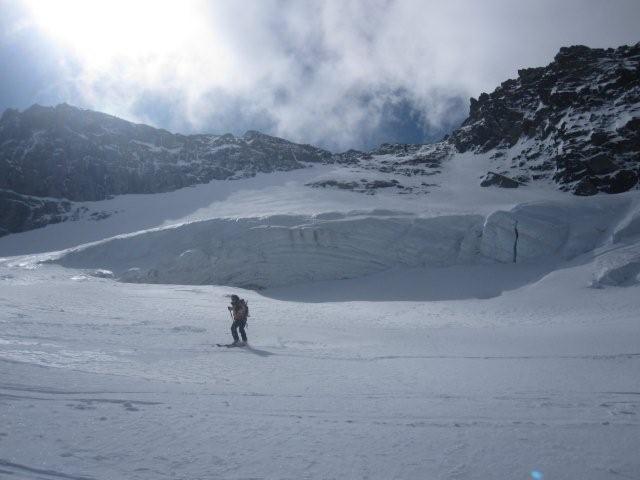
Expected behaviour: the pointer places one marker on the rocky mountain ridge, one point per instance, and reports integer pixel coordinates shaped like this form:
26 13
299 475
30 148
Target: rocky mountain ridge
573 124
81 155
51 157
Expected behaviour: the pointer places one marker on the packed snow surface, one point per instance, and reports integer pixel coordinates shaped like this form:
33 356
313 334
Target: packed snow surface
102 379
390 336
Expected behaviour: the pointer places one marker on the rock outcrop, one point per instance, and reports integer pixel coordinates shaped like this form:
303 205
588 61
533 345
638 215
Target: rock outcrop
575 122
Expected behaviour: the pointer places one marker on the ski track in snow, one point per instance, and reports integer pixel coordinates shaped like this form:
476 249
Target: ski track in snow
477 370
107 380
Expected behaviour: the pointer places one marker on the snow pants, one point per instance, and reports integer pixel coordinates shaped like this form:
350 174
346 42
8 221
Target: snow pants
239 324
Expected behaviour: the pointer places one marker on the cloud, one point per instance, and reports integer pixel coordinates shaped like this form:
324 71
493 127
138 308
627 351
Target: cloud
338 73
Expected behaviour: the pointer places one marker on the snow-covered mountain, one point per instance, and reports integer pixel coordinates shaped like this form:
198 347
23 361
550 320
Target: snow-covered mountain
468 333
574 124
409 318
53 156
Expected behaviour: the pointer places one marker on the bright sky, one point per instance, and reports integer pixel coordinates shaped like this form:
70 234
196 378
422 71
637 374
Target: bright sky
338 73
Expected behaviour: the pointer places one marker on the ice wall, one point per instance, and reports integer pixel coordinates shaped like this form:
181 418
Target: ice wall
283 250
287 249
530 232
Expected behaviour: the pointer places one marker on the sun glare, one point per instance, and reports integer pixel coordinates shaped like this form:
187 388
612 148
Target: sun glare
149 34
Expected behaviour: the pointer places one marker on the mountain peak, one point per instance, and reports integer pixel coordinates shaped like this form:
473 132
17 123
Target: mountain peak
561 122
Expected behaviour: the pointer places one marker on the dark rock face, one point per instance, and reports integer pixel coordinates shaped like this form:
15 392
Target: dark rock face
575 122
586 187
497 180
363 185
67 153
335 184
600 164
402 166
401 159
21 212
622 181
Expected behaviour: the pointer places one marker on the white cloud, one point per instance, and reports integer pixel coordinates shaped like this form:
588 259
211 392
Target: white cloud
319 72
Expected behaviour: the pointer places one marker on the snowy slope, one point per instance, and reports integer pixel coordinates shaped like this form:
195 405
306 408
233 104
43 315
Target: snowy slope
101 379
277 232
393 337
406 322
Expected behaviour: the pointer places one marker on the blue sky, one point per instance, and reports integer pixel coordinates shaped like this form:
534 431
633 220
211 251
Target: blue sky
340 74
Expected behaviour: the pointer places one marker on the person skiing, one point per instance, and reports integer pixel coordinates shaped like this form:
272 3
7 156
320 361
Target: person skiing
239 312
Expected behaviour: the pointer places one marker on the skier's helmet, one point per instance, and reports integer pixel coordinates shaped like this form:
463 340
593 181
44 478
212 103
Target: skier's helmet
235 299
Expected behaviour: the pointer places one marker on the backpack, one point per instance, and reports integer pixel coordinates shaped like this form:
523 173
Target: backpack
243 311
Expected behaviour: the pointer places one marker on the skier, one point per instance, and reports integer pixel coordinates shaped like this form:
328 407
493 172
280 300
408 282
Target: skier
239 312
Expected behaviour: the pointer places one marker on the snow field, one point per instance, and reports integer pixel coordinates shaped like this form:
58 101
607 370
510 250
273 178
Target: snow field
102 379
391 338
